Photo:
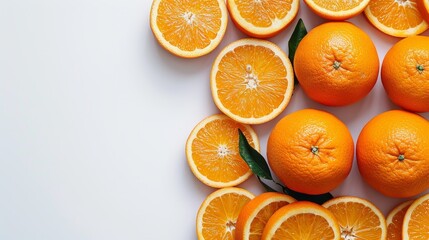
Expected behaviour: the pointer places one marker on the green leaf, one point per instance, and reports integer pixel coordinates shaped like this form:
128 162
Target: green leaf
253 158
298 34
319 199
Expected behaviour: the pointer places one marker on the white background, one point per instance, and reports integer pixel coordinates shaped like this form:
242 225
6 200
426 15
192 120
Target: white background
94 116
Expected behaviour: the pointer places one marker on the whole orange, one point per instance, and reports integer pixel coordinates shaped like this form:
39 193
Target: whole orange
393 153
310 151
336 64
405 73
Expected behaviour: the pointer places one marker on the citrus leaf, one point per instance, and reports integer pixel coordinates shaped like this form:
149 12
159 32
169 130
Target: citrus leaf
253 158
319 199
298 34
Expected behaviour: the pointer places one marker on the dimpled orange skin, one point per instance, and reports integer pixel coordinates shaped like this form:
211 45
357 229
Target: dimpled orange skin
310 151
405 73
392 153
336 64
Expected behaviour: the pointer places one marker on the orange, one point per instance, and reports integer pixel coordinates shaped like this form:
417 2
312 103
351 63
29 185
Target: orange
358 218
262 19
423 6
310 151
252 81
395 220
392 153
187 28
302 220
218 213
405 73
212 151
336 64
338 9
416 220
398 18
255 214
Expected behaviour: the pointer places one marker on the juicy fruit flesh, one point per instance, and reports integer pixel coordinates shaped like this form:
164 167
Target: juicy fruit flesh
394 228
251 81
258 224
338 5
418 226
215 150
393 16
187 25
356 221
263 13
304 226
221 215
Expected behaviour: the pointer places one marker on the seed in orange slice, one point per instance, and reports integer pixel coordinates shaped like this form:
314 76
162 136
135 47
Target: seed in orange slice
186 28
218 213
212 151
358 218
423 6
255 214
416 220
337 9
398 18
252 81
262 19
395 220
302 220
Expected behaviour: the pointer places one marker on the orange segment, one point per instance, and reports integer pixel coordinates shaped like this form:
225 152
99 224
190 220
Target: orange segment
358 218
262 18
302 220
395 221
338 9
255 214
218 213
212 151
189 28
416 220
252 81
399 18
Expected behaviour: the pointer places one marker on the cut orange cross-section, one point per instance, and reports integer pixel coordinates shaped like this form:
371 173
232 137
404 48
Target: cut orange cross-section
399 18
416 220
337 9
189 28
255 214
262 18
395 220
212 151
358 218
302 220
218 213
252 81
423 6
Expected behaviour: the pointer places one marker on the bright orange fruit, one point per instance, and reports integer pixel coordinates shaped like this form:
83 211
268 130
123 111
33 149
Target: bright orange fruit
212 151
395 220
423 6
416 220
187 28
252 81
218 213
310 151
392 153
337 9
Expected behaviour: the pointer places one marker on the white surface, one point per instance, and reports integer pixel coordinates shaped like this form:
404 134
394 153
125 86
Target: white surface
94 116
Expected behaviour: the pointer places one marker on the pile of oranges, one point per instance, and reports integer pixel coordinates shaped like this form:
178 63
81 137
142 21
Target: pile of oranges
310 151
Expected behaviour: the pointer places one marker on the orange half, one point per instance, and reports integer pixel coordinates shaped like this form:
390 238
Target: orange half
252 81
337 9
416 220
396 18
187 28
395 220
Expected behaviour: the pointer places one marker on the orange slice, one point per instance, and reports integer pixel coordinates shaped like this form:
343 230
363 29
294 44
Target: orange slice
262 19
186 28
255 214
423 6
218 213
302 220
395 220
358 218
398 18
252 81
416 220
212 151
338 9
